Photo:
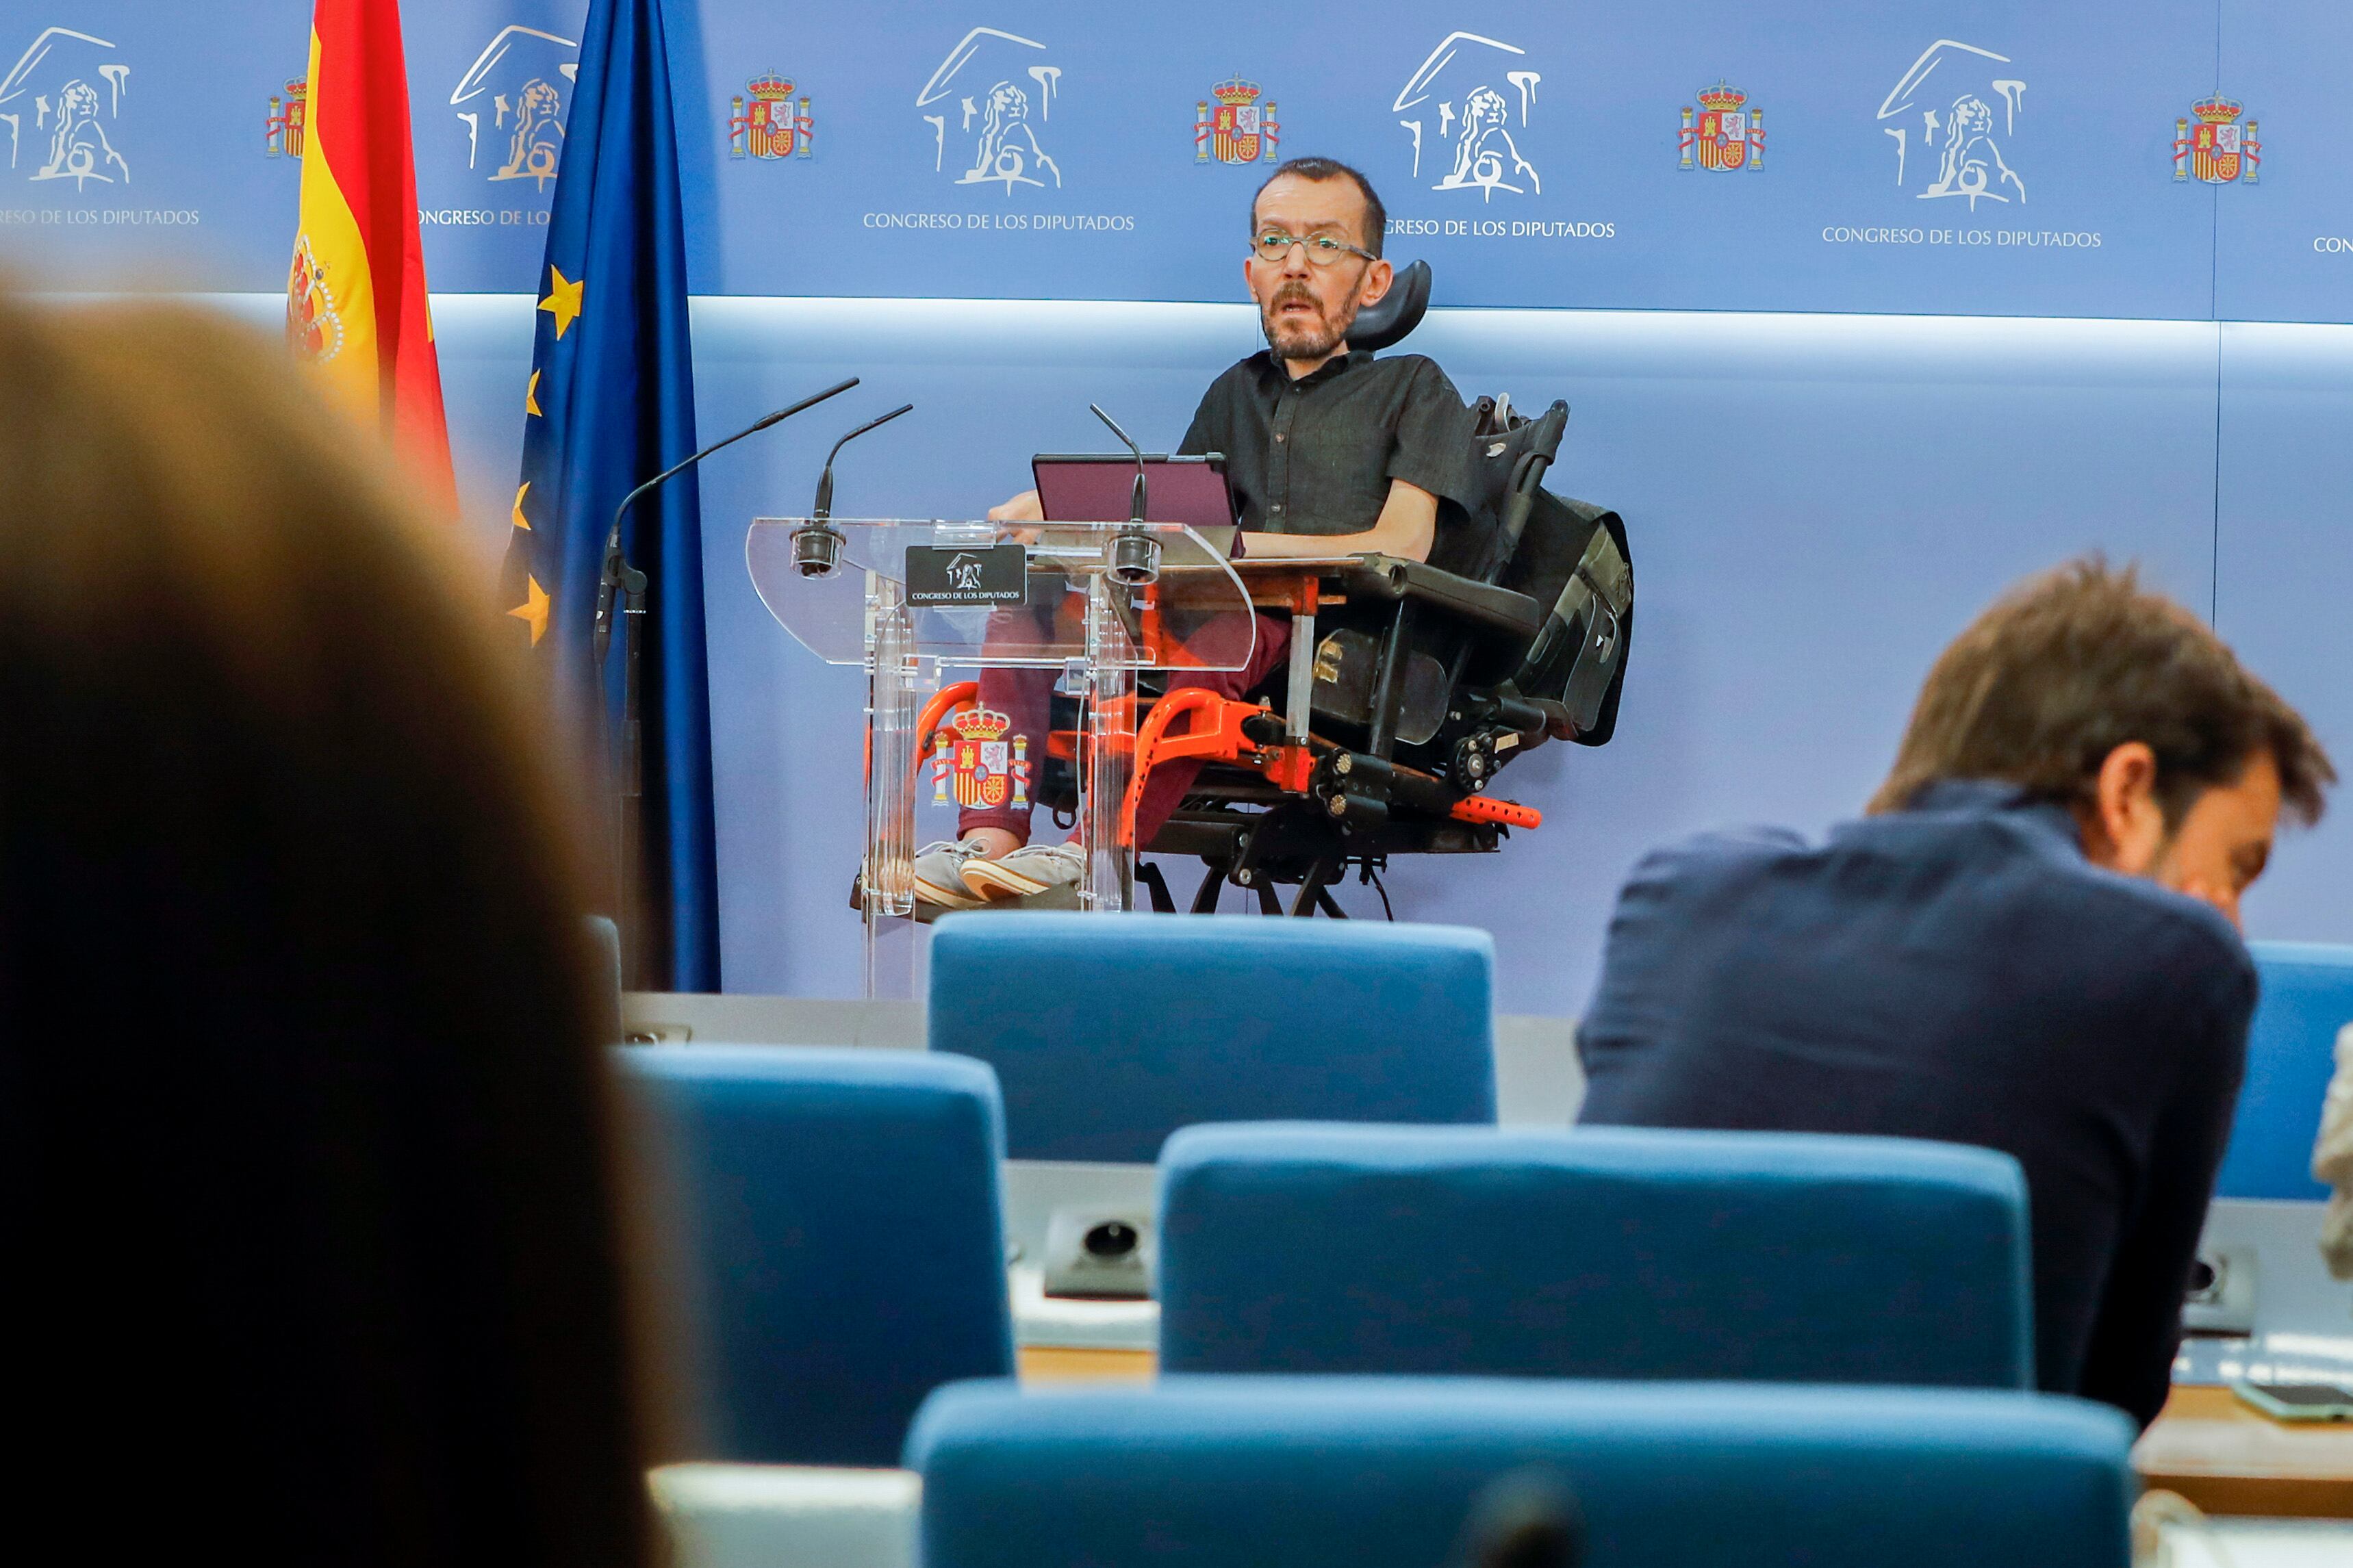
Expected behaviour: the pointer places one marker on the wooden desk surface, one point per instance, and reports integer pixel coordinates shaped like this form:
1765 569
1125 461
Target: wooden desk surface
2207 1445
2229 1459
1054 1364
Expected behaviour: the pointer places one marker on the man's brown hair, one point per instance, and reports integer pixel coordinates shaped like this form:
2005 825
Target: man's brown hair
2071 664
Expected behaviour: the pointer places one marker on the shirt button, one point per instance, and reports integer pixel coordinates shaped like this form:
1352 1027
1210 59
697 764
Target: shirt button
1276 507
1278 435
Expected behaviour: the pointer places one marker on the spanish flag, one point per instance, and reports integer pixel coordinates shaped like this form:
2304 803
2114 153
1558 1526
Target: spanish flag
356 306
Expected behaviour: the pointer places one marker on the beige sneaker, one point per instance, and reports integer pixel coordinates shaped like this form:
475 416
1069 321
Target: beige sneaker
938 879
1032 870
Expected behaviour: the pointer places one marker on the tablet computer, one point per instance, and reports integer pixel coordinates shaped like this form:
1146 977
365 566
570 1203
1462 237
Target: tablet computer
2298 1401
1100 488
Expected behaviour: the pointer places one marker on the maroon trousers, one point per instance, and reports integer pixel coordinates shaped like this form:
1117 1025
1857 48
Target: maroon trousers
1023 695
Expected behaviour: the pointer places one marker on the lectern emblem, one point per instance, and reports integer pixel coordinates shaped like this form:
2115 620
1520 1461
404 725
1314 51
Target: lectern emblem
986 768
1239 130
772 126
2216 149
1730 134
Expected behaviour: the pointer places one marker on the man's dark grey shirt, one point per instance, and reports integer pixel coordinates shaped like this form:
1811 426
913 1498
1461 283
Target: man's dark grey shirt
1956 970
1316 455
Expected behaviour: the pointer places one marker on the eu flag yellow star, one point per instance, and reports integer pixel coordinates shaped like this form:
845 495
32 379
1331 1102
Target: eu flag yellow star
562 299
532 611
531 393
520 520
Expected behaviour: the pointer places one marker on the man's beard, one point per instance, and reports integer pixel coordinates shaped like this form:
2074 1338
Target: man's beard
1299 337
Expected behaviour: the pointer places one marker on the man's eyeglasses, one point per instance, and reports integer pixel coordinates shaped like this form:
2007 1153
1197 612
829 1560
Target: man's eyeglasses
1323 250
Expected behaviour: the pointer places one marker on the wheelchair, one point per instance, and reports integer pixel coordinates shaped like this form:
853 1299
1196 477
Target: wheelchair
1426 680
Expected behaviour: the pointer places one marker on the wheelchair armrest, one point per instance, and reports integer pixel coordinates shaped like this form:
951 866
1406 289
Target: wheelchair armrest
1390 580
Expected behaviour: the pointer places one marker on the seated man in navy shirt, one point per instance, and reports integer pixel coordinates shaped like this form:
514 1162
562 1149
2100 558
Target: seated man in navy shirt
2030 943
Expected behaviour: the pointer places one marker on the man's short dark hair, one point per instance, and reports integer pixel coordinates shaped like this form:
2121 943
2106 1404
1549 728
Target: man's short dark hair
2071 664
1377 217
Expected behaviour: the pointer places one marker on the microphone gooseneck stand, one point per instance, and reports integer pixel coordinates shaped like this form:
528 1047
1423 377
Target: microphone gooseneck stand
619 578
1134 554
817 544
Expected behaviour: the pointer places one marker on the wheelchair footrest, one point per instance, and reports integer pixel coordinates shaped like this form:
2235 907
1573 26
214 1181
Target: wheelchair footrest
1485 808
1222 729
1357 790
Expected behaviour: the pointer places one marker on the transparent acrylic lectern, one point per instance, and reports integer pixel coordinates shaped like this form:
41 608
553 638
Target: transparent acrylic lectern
1094 603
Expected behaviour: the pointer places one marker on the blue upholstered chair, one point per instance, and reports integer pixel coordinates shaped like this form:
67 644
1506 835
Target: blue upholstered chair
839 1212
2307 996
1598 1252
1110 1034
1378 1473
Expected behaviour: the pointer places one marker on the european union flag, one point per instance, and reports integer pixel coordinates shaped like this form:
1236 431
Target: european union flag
610 403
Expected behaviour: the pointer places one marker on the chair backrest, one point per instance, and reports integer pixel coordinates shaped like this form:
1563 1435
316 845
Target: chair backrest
1385 325
839 1215
1108 1033
1379 1472
1574 560
785 1516
2307 996
1598 1252
1570 557
604 939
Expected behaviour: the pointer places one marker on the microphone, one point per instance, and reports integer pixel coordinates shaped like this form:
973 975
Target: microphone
614 567
816 544
1136 497
822 508
1134 554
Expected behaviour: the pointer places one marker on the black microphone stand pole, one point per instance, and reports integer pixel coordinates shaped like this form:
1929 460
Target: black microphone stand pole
619 578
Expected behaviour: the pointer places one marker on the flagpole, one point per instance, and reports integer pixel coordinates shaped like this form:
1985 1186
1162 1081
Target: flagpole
619 576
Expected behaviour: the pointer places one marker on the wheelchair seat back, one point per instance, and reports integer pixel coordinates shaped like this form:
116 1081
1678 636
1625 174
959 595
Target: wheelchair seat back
1569 556
1573 556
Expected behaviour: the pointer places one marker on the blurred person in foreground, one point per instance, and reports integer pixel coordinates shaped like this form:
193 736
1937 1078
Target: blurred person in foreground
2031 943
302 1119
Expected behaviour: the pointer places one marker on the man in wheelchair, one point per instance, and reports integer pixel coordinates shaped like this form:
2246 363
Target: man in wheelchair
1467 615
1329 453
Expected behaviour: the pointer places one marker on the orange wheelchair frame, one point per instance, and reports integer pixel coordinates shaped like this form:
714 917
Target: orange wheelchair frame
1324 779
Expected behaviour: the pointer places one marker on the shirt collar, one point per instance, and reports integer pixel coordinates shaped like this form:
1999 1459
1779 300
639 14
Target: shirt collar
1985 797
1268 365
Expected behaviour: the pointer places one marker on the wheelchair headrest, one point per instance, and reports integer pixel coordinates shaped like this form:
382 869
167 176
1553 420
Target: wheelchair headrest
1399 310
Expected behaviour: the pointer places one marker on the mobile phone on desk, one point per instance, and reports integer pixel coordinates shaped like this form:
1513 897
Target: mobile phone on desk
2298 1401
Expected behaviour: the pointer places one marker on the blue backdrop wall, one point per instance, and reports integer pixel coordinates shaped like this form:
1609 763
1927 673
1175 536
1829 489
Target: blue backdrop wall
1837 419
2141 158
